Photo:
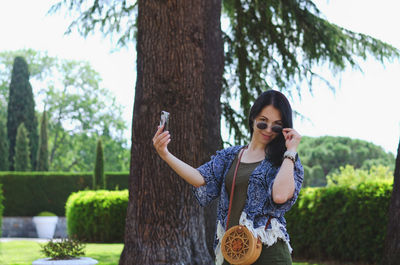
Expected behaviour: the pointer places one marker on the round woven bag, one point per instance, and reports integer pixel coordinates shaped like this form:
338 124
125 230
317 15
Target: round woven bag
239 246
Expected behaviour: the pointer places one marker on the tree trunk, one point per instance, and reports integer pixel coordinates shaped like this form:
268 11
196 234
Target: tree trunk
392 242
179 69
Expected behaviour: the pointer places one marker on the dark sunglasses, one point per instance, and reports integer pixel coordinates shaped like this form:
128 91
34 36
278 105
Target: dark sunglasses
263 125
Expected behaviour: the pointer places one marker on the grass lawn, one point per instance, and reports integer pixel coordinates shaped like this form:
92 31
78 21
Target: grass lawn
23 252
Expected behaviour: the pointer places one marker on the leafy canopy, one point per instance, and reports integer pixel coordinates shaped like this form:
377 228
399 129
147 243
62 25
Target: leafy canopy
322 156
268 44
78 111
351 177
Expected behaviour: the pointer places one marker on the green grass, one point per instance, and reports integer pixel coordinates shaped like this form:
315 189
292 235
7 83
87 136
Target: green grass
23 252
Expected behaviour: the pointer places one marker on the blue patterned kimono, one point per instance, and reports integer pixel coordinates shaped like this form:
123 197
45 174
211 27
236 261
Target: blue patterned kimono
259 203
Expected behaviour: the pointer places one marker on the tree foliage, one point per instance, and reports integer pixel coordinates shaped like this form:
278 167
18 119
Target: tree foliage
21 109
268 44
280 44
4 164
43 151
351 177
99 180
322 156
79 110
22 160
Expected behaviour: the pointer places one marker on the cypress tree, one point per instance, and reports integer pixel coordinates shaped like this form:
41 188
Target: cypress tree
4 166
21 109
43 151
99 180
22 161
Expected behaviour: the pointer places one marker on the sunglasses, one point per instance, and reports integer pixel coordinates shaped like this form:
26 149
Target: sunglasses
263 125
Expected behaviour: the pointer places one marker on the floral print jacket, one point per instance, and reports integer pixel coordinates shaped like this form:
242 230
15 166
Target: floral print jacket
259 204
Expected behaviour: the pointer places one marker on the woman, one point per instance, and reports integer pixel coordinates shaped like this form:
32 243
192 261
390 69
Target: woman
268 179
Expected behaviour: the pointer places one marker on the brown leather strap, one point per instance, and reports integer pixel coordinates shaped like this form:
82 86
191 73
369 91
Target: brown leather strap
233 188
233 185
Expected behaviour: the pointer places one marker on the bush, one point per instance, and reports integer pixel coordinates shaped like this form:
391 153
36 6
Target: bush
99 179
63 249
340 223
46 214
97 216
348 176
28 193
1 207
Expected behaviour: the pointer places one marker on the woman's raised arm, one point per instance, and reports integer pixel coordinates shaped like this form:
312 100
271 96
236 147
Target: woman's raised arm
188 173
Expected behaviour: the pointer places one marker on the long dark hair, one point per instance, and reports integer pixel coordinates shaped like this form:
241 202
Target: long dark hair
276 148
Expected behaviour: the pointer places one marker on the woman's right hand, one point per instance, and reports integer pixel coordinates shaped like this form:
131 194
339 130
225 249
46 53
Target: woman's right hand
160 141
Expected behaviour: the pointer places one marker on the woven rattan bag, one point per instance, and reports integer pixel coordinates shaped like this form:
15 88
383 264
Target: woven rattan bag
238 245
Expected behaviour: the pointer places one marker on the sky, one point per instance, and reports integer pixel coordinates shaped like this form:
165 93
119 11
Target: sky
365 105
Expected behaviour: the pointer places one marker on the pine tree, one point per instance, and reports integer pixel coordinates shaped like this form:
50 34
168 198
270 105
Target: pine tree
43 151
22 161
4 166
99 180
21 109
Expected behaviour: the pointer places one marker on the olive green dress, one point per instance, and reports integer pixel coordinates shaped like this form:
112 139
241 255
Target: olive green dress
277 254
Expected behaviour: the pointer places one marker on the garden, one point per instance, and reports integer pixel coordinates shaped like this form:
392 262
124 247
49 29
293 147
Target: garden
334 224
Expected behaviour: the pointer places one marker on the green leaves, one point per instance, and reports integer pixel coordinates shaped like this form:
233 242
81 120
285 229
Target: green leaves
78 110
278 44
340 223
97 216
62 249
268 44
22 161
322 156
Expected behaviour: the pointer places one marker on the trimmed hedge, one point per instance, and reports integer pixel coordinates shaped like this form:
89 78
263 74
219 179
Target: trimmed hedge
28 193
340 223
1 208
97 216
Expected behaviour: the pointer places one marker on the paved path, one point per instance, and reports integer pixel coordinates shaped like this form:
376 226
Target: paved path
8 239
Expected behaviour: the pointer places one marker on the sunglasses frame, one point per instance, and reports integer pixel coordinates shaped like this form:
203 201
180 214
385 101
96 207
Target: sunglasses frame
262 125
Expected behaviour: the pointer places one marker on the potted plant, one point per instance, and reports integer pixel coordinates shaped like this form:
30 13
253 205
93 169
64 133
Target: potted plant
64 252
45 223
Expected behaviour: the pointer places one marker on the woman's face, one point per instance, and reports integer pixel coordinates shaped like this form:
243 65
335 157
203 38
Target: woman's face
271 117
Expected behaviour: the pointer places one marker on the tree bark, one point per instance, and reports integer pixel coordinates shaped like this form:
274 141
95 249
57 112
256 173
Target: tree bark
179 69
392 242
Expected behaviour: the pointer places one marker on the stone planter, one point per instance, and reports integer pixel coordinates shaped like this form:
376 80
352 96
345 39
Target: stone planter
45 225
77 261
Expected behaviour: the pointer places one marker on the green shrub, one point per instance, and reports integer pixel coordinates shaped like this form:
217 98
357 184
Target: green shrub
63 249
22 160
99 180
28 193
1 207
340 223
97 216
46 214
348 176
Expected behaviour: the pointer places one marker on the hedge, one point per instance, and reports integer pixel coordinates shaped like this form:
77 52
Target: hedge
340 223
28 193
1 208
97 216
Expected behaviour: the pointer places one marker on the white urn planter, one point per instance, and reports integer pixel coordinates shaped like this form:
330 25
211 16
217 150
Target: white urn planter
45 226
75 261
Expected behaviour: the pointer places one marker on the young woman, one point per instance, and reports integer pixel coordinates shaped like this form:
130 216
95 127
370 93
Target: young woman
268 180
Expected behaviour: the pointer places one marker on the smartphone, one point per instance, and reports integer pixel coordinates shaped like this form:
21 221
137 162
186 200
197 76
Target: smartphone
164 120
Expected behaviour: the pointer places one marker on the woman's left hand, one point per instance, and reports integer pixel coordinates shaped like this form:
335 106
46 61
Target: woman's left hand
292 139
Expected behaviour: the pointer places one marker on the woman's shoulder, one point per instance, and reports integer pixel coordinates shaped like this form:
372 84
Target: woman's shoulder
232 150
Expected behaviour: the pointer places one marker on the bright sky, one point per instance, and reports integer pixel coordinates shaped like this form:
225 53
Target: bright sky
365 105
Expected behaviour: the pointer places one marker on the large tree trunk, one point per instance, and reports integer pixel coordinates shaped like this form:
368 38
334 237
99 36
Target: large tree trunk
179 69
392 242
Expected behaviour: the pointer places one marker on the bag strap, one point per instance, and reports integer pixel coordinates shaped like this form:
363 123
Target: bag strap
233 188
